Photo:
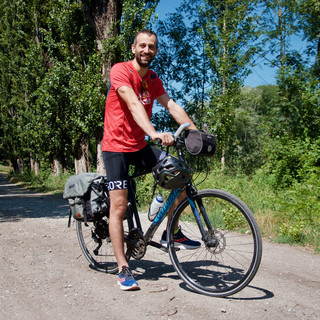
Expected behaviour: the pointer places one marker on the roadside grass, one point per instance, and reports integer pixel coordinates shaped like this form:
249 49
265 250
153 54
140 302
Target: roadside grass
44 182
289 215
4 168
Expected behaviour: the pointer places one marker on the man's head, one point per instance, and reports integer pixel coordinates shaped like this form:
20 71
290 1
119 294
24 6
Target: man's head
145 47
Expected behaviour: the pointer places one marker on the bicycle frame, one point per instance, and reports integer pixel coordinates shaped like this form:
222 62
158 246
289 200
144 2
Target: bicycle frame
174 195
133 215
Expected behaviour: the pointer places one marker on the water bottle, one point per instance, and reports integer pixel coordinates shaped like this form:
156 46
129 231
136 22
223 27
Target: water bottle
155 207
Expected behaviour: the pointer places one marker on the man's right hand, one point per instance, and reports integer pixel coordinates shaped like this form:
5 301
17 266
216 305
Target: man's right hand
166 138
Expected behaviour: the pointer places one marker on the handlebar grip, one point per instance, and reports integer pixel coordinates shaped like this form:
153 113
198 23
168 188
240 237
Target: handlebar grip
182 127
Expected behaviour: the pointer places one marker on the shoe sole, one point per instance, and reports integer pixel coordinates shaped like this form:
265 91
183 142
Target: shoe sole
126 288
180 246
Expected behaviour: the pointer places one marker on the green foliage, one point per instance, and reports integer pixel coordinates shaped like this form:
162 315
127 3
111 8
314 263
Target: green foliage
233 220
53 91
300 102
43 182
210 77
290 215
298 214
278 22
293 161
308 12
135 17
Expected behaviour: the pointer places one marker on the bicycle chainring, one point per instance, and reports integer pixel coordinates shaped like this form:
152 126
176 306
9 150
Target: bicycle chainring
136 244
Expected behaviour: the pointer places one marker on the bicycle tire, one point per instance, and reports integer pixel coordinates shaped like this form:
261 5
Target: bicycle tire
102 259
228 266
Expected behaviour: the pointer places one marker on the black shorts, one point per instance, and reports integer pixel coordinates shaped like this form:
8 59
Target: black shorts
117 164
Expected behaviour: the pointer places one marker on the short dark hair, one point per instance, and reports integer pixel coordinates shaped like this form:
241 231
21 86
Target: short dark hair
149 33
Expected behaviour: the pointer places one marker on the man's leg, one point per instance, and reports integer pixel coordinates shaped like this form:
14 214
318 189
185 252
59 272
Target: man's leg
117 167
118 206
179 238
176 203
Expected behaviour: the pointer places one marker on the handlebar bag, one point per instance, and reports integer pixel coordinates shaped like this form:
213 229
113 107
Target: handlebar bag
200 143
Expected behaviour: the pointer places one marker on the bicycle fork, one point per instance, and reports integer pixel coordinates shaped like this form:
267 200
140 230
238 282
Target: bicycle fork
207 237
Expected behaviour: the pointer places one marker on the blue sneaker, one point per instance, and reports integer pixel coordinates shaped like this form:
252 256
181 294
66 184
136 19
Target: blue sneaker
180 241
126 280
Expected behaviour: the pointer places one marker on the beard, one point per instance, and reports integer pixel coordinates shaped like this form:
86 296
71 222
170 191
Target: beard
145 60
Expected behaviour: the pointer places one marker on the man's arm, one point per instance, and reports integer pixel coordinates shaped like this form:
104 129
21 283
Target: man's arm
140 116
176 111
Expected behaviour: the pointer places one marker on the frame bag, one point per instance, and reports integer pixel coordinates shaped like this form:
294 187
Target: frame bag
86 196
200 143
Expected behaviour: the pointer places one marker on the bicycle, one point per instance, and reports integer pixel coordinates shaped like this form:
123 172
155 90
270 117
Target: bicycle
231 246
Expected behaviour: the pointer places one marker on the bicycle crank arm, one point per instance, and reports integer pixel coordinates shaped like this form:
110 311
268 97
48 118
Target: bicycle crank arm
158 246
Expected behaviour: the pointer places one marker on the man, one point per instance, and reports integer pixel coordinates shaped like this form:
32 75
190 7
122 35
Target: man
127 120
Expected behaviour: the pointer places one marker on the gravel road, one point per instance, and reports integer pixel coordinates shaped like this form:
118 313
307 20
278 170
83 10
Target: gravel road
45 276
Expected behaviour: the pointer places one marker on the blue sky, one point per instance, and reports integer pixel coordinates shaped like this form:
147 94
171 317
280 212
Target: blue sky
261 74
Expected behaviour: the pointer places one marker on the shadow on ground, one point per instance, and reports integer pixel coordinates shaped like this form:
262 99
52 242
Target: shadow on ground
18 203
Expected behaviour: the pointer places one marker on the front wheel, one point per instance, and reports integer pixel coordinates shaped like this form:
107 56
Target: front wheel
231 246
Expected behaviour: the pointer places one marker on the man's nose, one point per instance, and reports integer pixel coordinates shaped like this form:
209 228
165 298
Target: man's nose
147 49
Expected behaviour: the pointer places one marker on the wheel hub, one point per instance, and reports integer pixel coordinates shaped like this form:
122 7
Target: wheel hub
216 241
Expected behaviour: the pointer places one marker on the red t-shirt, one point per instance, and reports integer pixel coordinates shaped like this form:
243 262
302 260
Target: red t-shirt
121 132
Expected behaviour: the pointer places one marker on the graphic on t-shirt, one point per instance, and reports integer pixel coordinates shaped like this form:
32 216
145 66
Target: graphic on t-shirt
144 95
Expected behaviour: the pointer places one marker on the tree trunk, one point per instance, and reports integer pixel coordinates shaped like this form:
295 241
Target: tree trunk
224 85
100 165
104 17
223 159
56 167
82 159
34 165
317 62
281 35
19 166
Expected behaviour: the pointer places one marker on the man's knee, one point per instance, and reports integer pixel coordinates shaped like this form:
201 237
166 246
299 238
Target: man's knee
118 202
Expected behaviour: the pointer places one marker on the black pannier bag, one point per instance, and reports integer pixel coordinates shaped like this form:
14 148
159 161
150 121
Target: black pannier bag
86 196
200 143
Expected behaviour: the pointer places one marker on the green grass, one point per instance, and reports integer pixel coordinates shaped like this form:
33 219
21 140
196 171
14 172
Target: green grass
289 215
44 182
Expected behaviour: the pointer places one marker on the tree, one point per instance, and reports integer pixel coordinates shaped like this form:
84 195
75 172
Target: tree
309 18
228 30
55 59
16 34
279 23
183 70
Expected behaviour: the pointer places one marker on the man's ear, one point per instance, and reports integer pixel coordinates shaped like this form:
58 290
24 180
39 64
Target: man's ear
133 48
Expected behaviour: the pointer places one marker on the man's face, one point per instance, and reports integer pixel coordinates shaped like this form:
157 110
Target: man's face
145 49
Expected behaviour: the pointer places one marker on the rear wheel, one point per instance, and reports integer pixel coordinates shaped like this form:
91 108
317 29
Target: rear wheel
96 246
230 253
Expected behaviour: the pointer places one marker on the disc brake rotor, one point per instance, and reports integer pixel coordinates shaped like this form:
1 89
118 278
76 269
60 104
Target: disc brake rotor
217 237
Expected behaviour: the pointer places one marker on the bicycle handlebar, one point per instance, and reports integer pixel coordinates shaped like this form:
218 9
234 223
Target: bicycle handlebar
180 129
177 133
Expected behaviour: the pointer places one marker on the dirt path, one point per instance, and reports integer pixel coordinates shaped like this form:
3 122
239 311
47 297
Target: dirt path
45 276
